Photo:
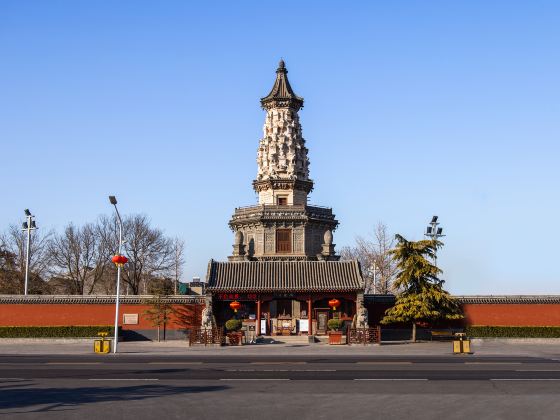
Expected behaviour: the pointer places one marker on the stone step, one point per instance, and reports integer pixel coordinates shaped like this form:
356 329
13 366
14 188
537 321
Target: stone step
288 339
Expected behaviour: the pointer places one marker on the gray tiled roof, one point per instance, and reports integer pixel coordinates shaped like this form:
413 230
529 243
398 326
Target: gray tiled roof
292 276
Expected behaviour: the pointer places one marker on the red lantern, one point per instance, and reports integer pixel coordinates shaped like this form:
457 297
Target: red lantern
119 260
334 303
235 305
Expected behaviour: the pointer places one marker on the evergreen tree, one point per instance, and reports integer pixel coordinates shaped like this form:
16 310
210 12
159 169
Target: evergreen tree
421 296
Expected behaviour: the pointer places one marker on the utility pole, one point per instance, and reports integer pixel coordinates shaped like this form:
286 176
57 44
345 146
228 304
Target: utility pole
28 226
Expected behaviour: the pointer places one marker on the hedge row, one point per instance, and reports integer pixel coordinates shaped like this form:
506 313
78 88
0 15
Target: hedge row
55 332
512 332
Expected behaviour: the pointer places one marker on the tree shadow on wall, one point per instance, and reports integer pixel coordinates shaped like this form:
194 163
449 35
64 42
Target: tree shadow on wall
37 400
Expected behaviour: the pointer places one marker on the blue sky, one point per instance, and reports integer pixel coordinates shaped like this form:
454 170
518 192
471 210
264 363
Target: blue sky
411 109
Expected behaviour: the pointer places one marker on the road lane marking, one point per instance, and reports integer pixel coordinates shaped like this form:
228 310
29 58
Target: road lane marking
492 363
525 379
537 370
391 379
278 363
384 363
123 379
255 379
73 363
13 379
297 370
280 370
175 363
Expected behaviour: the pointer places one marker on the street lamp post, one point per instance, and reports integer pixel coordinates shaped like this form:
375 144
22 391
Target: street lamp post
434 233
113 201
28 226
373 269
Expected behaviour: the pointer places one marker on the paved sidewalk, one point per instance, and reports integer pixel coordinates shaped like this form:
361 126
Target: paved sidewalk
487 347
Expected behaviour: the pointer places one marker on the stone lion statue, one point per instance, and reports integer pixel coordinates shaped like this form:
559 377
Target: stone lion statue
207 315
362 320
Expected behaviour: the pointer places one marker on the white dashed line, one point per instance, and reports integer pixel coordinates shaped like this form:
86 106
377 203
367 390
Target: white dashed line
528 379
391 379
254 379
73 363
383 363
123 379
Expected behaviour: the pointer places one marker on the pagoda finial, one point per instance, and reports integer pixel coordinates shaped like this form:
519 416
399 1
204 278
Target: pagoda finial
282 94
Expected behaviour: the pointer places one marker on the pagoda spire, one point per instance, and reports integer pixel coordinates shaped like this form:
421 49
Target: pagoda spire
282 95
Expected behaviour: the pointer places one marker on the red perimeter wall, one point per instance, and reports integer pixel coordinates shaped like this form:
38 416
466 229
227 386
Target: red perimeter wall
494 314
80 315
512 314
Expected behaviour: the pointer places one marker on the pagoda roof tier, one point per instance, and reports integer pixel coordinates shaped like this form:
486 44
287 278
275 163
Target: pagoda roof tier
284 276
282 94
267 213
283 184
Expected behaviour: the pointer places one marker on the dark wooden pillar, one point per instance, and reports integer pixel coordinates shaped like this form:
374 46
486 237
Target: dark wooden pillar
309 317
258 326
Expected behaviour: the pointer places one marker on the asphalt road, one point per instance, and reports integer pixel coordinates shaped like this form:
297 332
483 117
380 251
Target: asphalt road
129 386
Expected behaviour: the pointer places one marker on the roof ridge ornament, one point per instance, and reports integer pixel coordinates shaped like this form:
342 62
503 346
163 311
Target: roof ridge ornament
282 95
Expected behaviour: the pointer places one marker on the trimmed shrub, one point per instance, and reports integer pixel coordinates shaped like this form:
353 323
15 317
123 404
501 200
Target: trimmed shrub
334 324
233 324
512 332
55 332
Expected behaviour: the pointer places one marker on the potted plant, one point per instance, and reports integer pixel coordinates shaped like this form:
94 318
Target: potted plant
234 335
335 335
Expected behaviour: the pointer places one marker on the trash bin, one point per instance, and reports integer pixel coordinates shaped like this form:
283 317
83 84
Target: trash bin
461 344
102 345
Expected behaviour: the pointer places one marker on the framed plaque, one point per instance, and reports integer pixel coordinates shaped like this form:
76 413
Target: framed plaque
130 319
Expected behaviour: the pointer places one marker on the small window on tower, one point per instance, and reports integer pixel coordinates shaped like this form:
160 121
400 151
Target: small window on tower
282 201
284 241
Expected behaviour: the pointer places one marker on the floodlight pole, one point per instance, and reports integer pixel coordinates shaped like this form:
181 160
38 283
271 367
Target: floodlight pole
28 226
113 201
434 233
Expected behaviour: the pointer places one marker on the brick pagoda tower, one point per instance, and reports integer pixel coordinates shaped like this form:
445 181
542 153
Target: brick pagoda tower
282 226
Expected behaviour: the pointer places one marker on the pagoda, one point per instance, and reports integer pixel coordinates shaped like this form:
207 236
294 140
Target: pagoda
284 276
283 226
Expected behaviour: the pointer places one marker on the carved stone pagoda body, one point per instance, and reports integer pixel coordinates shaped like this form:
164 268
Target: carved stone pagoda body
282 226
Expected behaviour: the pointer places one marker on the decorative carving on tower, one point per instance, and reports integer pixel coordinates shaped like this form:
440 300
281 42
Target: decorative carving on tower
282 153
327 253
238 248
282 226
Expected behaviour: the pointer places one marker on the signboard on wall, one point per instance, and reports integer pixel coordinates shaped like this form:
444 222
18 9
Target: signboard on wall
235 296
303 325
130 319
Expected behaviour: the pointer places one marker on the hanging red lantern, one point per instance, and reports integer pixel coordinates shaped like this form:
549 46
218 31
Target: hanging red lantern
119 260
334 303
235 305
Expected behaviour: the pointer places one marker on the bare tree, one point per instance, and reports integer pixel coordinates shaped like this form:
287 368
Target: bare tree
377 264
178 261
80 256
14 246
150 253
